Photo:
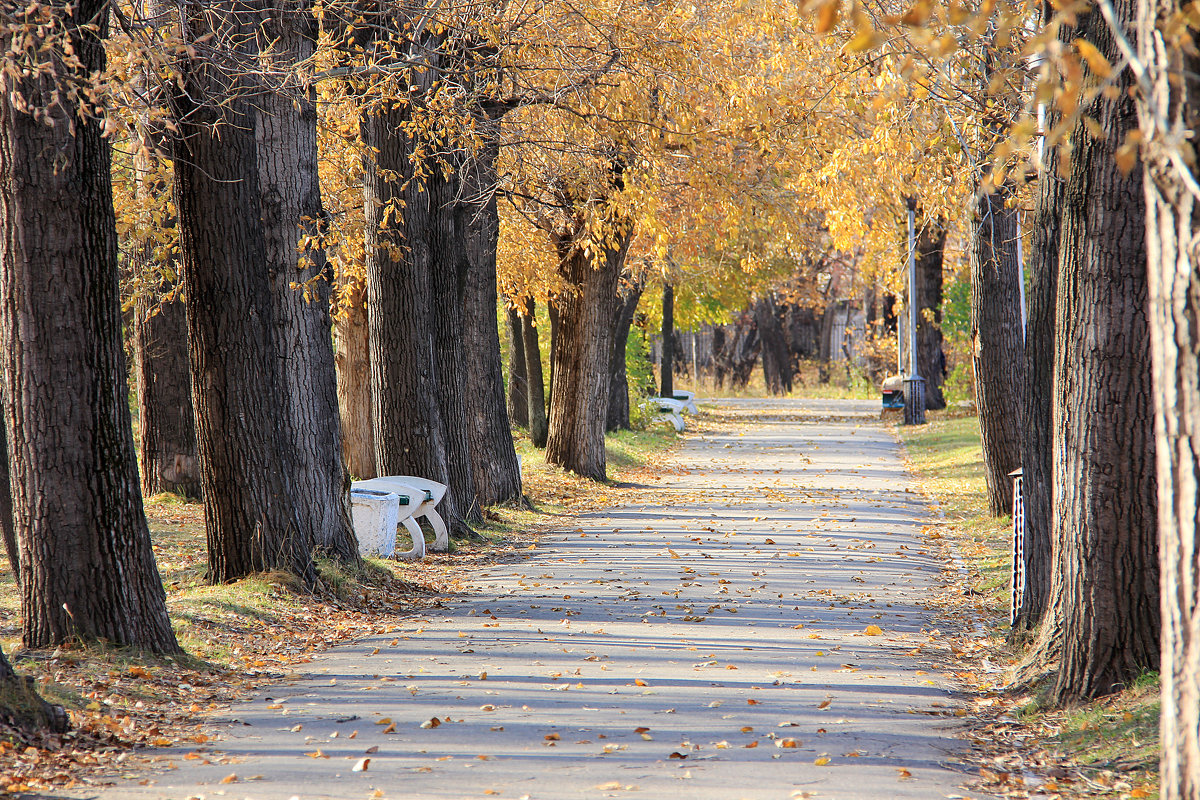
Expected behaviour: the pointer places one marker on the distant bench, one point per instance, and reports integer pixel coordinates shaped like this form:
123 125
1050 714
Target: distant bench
671 409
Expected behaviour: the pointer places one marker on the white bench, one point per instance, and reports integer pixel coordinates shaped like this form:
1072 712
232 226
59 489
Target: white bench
426 494
376 513
688 399
670 410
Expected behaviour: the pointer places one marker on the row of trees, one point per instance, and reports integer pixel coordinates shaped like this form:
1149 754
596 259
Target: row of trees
254 180
1079 116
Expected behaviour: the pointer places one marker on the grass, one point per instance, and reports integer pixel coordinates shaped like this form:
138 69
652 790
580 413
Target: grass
1106 748
947 459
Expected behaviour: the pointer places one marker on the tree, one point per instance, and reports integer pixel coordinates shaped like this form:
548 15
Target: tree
300 283
247 461
931 359
1104 627
164 395
1167 106
666 376
87 567
353 364
1037 411
618 387
518 392
997 337
493 456
409 432
22 710
535 388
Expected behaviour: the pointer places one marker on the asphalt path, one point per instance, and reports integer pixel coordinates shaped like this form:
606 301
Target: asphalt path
751 628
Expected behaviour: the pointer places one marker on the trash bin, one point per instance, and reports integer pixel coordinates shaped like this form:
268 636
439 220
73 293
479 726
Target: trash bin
375 515
893 392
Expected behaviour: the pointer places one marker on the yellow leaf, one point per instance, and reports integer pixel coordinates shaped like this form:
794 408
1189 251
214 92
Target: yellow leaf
874 630
822 761
1094 58
827 16
230 778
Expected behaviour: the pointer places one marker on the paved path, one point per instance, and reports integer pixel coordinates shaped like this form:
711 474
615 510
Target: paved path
713 644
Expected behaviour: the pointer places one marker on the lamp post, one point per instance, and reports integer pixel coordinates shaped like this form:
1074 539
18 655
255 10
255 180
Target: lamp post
914 384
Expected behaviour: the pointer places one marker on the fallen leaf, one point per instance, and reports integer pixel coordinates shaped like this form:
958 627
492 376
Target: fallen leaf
788 743
874 630
230 778
361 765
822 761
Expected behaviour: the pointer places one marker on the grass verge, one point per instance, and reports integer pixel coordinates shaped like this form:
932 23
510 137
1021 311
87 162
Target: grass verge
1022 748
242 636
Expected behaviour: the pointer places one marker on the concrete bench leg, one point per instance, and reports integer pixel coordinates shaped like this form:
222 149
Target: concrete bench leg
441 542
418 538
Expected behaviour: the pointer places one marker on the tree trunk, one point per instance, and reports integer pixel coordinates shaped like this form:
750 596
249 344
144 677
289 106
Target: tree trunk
997 342
286 141
22 709
666 373
1173 224
931 359
1105 523
409 434
11 548
618 384
493 456
777 372
1037 410
353 363
535 394
87 565
579 393
518 389
238 389
447 277
552 315
164 396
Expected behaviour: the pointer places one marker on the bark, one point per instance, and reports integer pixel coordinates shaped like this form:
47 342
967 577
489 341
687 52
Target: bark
583 347
493 456
88 569
931 359
535 395
22 710
239 391
666 372
618 383
1173 224
409 435
1038 395
291 208
997 342
776 364
518 389
164 396
447 276
353 363
1104 528
9 533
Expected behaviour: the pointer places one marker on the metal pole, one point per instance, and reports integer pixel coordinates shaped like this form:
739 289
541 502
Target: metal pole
914 384
912 290
1021 275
